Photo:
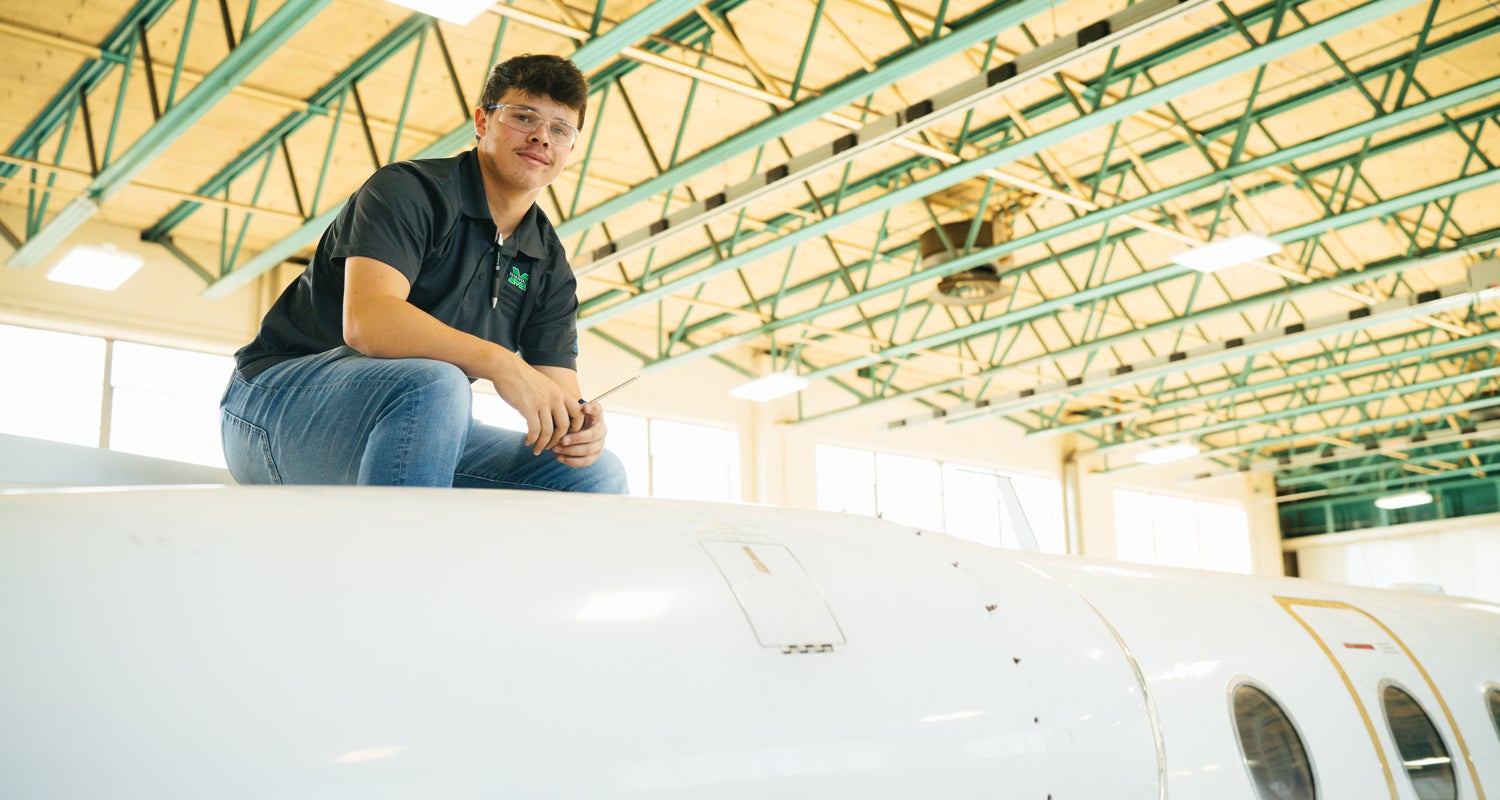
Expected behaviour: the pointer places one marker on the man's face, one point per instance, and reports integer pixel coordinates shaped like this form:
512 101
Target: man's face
526 161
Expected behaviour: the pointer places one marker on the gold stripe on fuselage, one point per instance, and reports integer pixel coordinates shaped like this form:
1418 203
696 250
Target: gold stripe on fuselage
1288 602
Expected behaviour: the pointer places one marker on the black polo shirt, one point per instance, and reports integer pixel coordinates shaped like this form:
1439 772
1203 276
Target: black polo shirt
429 219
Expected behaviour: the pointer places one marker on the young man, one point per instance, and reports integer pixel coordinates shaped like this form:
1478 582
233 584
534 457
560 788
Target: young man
435 273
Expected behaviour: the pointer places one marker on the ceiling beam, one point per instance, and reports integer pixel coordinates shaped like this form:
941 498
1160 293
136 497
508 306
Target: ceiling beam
1112 289
1392 460
1480 350
1266 443
241 61
111 53
1281 174
1045 61
1206 76
1479 376
832 99
1183 360
315 107
592 55
1481 241
1440 484
1296 463
1283 377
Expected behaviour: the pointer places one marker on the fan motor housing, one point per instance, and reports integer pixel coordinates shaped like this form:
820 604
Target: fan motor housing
977 285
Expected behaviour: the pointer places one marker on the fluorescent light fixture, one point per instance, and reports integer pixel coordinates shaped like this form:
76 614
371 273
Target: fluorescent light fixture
770 387
458 12
1217 255
1168 454
1404 500
95 267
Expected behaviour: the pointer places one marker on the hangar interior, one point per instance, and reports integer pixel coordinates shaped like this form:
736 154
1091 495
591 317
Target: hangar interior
965 229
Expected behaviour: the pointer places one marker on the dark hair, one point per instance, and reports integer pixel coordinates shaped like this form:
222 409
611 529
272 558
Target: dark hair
553 77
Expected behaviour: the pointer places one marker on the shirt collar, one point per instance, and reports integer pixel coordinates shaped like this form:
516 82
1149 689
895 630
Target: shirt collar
528 234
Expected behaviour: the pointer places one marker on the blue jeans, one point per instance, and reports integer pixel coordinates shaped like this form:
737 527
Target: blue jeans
344 418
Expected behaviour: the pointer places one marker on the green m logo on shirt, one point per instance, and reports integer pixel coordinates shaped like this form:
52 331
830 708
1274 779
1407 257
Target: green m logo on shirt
518 278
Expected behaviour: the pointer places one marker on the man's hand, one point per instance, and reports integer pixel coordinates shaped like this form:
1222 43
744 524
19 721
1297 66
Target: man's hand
551 411
582 447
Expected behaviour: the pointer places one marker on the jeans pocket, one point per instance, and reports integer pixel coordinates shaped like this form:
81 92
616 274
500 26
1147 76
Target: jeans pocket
247 449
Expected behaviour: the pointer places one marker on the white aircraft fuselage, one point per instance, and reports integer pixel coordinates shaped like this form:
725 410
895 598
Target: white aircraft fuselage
299 642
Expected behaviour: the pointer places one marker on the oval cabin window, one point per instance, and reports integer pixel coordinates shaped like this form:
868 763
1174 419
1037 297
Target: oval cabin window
1423 753
1273 752
1492 698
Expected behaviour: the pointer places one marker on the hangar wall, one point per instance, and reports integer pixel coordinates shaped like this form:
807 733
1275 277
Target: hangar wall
1459 556
162 304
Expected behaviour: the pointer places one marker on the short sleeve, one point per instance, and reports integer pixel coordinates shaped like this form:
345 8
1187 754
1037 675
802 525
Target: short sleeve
550 337
388 221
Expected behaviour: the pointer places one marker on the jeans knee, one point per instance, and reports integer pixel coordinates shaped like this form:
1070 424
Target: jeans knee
609 475
442 389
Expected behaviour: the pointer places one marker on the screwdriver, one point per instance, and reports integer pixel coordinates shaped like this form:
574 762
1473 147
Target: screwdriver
617 387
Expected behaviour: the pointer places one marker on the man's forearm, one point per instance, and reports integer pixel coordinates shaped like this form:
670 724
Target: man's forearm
389 327
564 377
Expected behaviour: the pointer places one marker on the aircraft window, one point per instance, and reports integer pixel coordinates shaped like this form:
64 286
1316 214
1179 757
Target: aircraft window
1273 751
1493 696
1422 750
